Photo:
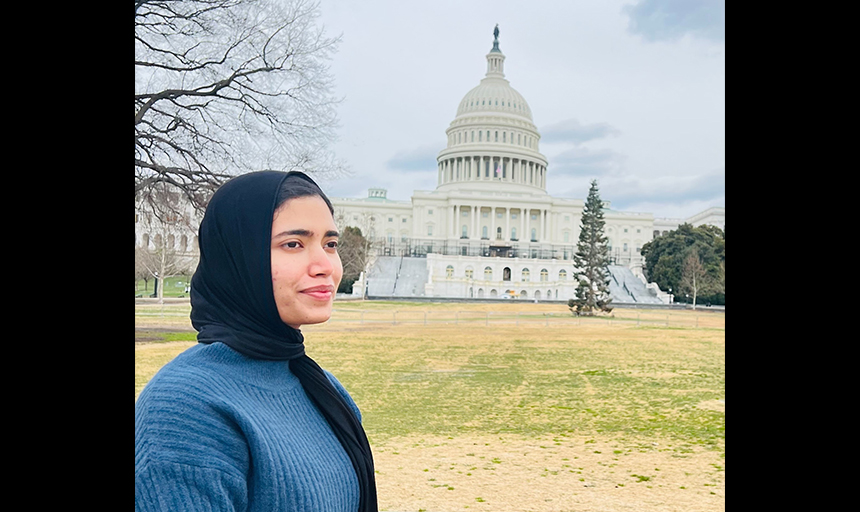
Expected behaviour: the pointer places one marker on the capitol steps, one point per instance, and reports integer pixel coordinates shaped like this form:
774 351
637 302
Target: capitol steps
382 277
412 277
625 287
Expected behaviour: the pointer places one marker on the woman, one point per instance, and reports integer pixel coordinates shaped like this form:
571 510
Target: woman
244 420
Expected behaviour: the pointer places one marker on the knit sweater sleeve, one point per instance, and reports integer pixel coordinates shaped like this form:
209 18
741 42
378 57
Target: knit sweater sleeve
161 486
190 455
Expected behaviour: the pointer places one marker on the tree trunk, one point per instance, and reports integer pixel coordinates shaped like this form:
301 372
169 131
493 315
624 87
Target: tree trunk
162 272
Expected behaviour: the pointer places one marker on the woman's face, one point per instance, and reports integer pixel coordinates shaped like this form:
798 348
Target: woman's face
306 268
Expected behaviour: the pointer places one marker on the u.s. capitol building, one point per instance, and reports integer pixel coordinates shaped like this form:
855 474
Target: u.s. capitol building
490 228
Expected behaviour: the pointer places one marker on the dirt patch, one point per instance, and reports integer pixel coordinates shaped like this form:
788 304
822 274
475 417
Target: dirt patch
712 405
551 474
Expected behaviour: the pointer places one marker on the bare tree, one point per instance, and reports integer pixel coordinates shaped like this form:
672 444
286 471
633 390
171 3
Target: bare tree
694 276
140 269
168 221
353 248
224 87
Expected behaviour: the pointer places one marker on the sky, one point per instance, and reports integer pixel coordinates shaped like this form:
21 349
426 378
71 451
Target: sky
628 92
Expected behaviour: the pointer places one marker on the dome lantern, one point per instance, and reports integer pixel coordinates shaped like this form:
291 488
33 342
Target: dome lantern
496 59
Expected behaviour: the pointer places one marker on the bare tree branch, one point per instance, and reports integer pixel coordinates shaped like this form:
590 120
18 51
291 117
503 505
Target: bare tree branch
224 87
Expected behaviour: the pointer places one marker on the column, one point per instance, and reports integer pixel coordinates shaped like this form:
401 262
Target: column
524 213
540 225
492 233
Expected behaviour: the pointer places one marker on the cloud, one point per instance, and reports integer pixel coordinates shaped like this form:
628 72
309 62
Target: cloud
572 131
631 190
587 162
670 20
418 159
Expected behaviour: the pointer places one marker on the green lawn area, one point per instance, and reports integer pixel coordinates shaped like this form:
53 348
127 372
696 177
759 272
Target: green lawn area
621 379
173 287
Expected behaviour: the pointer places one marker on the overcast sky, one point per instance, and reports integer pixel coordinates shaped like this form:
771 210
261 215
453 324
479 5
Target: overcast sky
628 92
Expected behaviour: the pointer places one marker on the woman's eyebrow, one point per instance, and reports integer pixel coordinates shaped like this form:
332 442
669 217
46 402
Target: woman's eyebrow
306 233
299 232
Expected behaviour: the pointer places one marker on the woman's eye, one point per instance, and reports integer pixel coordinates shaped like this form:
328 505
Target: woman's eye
292 245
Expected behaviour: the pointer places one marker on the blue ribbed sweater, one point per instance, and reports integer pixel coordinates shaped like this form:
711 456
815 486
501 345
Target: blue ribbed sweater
217 431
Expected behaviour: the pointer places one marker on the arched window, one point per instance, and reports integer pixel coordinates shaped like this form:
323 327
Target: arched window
480 292
567 236
429 230
473 135
184 243
656 233
504 137
497 136
449 271
537 295
158 241
488 274
534 235
144 241
484 233
506 274
562 275
479 136
513 233
524 294
494 293
544 275
464 232
526 275
469 272
499 233
625 247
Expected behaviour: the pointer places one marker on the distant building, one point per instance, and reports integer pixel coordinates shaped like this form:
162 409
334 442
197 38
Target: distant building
490 226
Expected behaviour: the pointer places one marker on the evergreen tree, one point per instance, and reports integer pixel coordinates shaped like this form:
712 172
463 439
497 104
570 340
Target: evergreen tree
591 260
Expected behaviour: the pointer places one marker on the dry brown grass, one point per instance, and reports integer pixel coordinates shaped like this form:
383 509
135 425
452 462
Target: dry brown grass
583 414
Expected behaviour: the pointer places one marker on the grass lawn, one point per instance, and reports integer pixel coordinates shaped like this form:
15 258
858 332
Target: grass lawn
174 287
463 408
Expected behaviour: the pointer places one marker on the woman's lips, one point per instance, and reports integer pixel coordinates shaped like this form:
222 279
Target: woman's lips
320 292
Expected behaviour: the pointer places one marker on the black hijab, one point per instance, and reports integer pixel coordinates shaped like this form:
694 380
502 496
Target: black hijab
233 302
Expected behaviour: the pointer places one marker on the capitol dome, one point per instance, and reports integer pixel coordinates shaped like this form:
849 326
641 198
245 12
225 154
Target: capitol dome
497 96
493 137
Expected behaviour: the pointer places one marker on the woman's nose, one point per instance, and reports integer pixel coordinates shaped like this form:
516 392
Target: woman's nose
320 263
